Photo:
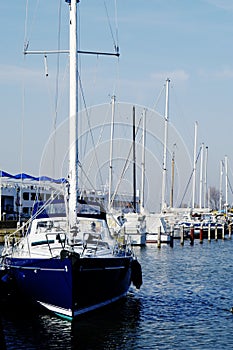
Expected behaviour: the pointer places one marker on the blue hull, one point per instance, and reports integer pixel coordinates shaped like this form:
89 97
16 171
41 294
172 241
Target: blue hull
71 286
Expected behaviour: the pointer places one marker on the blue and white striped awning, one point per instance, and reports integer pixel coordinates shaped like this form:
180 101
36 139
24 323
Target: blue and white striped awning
23 176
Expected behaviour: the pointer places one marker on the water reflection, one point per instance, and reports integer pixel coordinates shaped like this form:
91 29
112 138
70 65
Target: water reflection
25 327
106 328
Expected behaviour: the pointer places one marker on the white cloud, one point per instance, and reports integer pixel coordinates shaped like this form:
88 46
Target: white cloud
10 74
223 4
224 73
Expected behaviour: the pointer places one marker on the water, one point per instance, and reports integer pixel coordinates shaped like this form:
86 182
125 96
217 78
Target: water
184 303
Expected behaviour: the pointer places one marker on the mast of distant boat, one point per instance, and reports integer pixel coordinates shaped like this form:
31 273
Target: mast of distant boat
205 178
163 202
220 186
172 179
142 197
226 183
111 153
201 176
194 165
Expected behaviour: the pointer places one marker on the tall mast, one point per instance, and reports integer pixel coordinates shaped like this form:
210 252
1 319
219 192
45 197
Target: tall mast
172 180
201 177
226 179
143 162
134 163
205 178
73 113
111 152
220 185
73 127
194 165
163 203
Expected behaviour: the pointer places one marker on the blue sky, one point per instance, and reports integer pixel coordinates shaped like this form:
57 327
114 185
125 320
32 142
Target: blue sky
189 41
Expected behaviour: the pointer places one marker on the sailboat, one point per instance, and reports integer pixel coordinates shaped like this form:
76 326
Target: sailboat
68 262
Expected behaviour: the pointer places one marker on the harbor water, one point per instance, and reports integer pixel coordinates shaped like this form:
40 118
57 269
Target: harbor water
185 303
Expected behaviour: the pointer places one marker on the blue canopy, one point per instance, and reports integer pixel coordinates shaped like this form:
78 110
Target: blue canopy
4 174
23 176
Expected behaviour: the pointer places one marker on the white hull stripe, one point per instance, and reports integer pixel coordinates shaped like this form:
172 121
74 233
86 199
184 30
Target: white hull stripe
68 313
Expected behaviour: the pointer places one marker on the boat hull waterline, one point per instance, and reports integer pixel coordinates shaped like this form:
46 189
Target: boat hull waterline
81 284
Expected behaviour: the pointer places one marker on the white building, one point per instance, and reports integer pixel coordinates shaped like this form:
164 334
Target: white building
18 194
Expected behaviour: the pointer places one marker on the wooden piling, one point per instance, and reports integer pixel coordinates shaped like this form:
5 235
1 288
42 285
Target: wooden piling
216 232
209 233
201 234
182 235
171 239
159 237
192 235
229 230
223 231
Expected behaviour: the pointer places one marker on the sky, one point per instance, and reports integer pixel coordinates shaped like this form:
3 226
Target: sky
187 41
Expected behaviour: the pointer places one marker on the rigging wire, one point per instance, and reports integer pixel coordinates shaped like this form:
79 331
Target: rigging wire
110 27
117 43
82 148
115 40
186 188
90 129
125 166
116 47
116 24
26 35
23 92
55 92
23 108
158 98
57 86
229 184
97 144
86 175
25 26
228 180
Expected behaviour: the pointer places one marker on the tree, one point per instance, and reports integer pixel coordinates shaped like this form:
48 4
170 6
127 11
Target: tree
214 197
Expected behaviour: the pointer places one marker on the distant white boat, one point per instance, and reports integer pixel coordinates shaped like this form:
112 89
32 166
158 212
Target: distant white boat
155 225
134 226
